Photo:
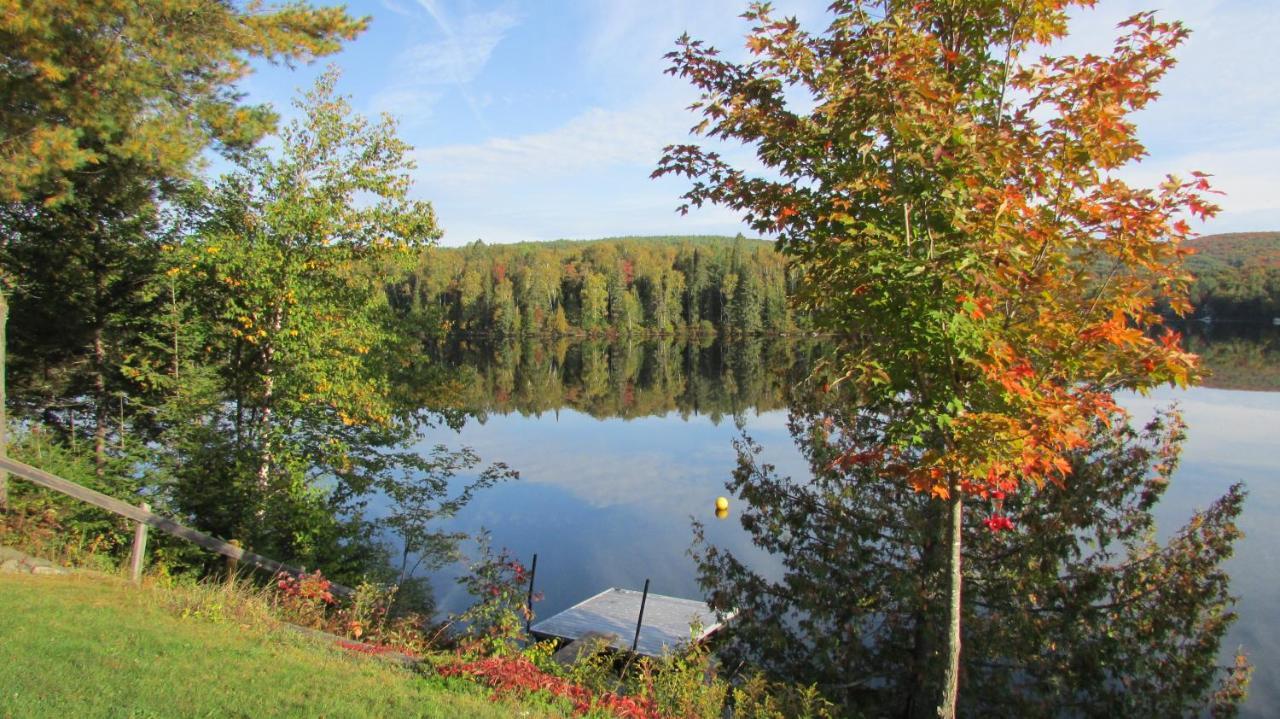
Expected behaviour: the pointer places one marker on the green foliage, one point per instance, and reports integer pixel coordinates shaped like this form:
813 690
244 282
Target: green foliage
681 683
1237 276
619 286
56 527
494 624
148 83
684 682
759 698
107 110
299 354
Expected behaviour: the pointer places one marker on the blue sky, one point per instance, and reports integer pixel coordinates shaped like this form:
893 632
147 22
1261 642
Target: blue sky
542 120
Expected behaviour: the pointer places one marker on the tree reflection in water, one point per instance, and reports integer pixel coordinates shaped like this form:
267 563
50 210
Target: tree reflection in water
627 378
1077 611
637 377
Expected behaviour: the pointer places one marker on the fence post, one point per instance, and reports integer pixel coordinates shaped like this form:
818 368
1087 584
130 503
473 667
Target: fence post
139 548
233 564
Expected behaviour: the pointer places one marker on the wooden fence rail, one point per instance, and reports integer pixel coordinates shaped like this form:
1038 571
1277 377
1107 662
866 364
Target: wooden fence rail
164 524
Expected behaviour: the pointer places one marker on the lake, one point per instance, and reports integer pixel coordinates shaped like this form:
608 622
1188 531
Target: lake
620 446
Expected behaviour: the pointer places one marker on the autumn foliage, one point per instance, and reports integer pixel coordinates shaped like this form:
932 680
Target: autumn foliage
517 676
958 220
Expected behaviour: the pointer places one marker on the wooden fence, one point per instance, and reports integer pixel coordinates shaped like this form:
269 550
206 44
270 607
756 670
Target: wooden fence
144 517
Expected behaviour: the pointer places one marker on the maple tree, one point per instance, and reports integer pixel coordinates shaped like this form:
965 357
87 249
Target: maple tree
1076 609
957 223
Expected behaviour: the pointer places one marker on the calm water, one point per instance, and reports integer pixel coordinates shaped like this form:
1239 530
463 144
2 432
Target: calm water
618 447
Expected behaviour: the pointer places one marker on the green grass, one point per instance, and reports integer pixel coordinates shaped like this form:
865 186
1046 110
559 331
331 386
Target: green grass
80 647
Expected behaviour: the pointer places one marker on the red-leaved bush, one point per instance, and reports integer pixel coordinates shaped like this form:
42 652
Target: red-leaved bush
514 675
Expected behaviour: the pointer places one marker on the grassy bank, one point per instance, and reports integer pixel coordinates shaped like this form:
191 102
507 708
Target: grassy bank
80 647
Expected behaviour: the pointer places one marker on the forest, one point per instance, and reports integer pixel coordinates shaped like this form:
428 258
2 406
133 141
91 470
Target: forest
714 285
1237 276
617 286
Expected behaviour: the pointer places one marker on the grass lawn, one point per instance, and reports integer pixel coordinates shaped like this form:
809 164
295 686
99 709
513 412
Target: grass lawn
75 647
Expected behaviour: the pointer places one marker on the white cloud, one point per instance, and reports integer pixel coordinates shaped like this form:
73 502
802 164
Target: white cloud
594 139
396 8
586 178
631 37
455 57
1248 180
462 52
410 104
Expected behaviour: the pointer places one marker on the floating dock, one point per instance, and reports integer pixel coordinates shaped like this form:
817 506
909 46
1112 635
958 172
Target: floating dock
665 624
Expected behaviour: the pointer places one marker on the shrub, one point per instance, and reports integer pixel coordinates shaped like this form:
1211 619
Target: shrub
494 625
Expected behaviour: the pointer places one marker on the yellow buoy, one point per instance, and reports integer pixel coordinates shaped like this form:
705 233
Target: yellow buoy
722 504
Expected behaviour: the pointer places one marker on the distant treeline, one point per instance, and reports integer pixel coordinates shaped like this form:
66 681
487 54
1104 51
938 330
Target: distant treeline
613 287
713 285
1237 276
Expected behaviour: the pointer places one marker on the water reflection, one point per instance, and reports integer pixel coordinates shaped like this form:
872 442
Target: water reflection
628 378
1238 355
619 444
1074 611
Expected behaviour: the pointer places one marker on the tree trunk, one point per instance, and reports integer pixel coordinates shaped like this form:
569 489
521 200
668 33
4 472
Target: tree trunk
951 685
173 309
264 436
100 409
4 417
267 458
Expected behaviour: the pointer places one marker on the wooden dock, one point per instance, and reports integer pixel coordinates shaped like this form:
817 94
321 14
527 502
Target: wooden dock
667 621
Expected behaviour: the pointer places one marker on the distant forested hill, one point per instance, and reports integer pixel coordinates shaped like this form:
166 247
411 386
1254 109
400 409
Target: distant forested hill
714 285
615 286
1237 275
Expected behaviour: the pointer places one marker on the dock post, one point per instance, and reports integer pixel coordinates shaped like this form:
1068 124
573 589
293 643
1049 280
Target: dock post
533 572
640 619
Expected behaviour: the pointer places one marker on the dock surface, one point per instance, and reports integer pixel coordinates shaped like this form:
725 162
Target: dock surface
613 612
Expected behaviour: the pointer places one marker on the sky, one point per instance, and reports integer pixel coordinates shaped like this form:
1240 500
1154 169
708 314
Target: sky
543 119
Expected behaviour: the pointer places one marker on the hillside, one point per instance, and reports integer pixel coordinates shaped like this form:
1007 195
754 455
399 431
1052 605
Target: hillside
1239 249
1237 276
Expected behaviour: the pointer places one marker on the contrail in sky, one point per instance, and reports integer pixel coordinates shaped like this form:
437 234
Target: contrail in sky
451 37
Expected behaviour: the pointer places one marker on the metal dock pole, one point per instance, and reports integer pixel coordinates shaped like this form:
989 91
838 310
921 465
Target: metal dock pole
533 572
640 619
